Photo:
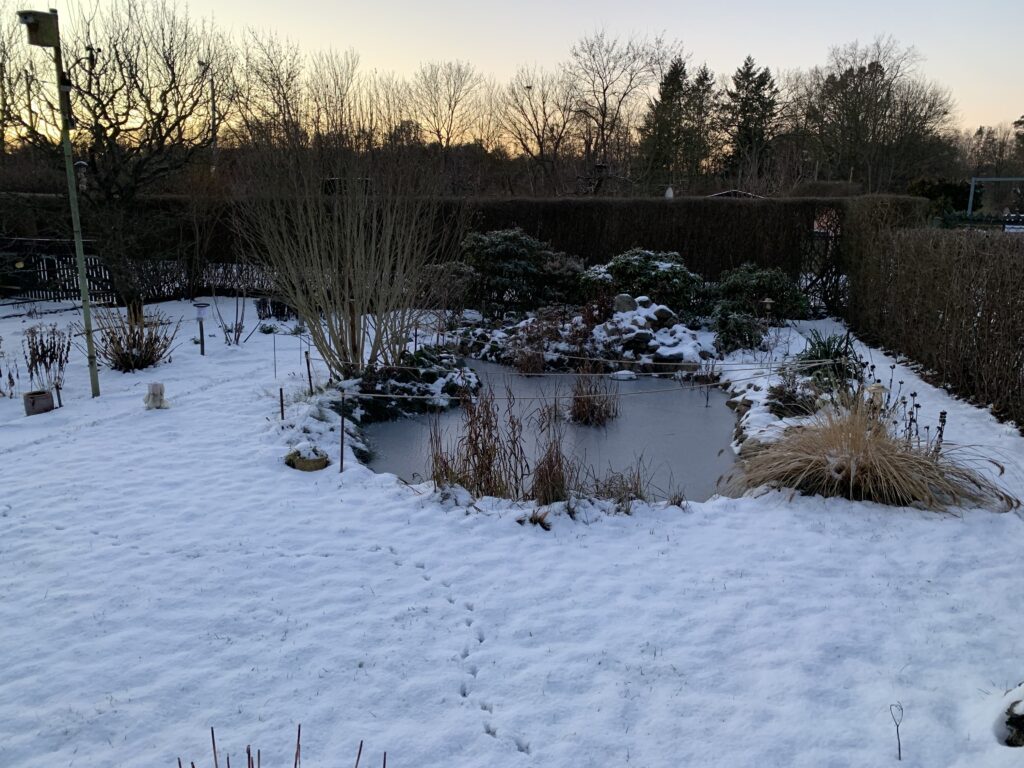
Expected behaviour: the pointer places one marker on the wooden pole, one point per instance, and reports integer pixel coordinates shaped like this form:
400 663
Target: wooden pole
309 373
202 338
280 393
341 456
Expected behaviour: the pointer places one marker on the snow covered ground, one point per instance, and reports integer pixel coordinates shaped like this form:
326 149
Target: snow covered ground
163 571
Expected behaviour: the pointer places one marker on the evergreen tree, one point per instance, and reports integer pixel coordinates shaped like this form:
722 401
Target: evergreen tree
751 111
700 116
661 135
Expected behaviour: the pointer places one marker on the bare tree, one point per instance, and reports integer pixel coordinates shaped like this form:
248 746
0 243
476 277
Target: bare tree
609 76
352 261
444 99
875 118
537 112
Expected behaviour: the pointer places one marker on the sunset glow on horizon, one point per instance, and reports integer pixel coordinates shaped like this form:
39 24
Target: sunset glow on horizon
968 49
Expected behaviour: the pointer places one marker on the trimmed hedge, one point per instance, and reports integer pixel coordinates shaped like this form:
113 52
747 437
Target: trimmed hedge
951 300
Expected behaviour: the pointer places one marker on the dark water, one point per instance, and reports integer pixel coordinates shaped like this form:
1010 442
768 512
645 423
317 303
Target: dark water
681 435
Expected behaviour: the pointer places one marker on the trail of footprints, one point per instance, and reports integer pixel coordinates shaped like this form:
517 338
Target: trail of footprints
477 639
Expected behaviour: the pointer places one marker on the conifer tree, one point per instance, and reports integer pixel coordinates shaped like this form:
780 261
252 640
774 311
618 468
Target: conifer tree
751 110
661 135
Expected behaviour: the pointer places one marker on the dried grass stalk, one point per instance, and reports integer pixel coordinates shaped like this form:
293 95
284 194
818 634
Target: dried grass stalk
489 459
594 400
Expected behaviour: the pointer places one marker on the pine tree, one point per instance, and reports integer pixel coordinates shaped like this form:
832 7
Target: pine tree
661 145
700 116
751 110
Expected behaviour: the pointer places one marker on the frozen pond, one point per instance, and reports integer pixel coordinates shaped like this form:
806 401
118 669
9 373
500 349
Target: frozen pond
681 433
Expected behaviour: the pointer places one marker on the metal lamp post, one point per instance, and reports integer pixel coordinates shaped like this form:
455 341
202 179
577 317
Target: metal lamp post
44 31
202 308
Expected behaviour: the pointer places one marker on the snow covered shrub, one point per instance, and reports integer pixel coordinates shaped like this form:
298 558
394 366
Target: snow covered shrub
852 450
517 272
744 290
126 347
661 275
737 330
792 395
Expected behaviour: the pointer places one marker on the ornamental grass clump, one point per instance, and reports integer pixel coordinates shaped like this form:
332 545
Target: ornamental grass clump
594 400
854 450
489 459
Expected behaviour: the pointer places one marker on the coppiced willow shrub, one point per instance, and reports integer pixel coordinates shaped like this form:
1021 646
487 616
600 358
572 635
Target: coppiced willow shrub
350 239
953 301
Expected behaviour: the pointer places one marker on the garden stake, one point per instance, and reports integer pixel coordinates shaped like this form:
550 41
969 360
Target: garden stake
298 747
202 351
309 373
280 393
341 456
214 742
359 754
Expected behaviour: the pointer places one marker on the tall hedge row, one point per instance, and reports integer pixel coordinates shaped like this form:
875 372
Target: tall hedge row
953 301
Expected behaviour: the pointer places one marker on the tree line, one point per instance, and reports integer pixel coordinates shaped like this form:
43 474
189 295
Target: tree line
161 98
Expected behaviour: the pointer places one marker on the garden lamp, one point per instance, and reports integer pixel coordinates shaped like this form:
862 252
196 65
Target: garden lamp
202 308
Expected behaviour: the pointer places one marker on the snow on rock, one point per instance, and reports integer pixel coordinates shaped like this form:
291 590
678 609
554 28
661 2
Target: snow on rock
162 572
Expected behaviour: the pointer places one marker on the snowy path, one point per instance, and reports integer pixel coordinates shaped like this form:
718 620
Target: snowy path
161 572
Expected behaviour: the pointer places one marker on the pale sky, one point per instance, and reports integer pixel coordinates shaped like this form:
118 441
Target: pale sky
973 47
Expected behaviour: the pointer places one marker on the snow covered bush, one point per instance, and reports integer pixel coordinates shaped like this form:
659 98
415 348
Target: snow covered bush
852 450
516 272
737 330
743 290
661 275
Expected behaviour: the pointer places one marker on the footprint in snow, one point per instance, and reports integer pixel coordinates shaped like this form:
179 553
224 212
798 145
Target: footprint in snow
490 730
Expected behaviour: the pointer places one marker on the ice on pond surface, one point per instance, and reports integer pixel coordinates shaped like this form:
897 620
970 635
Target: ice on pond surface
680 432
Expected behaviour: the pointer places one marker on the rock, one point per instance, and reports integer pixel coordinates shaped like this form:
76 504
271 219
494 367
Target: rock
644 301
624 303
622 375
670 355
664 317
1015 724
638 341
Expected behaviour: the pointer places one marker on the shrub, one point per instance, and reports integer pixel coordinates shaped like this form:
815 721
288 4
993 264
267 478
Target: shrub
46 349
517 272
792 395
851 451
127 347
737 330
275 309
661 275
744 290
831 360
